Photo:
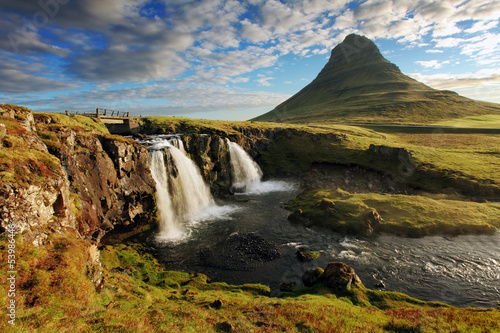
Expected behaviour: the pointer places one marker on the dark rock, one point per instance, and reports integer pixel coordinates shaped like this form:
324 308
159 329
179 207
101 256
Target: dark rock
401 154
239 252
217 304
372 221
312 276
224 327
340 277
380 284
288 286
298 217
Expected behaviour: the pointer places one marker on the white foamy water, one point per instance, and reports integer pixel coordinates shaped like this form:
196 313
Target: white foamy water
246 173
183 197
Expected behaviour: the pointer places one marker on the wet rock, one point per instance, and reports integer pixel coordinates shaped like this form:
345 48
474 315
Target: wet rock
298 216
380 284
239 252
372 221
312 276
306 254
340 277
288 286
211 154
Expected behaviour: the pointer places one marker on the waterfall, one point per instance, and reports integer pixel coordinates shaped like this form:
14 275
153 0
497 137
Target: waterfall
169 227
182 194
245 172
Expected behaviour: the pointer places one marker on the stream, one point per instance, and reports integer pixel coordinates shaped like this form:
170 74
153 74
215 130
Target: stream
459 270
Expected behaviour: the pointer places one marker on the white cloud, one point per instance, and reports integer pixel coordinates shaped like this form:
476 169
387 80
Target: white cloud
434 64
456 81
482 26
263 81
434 51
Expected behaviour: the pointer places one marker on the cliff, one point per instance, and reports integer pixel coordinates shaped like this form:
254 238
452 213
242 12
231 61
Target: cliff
60 172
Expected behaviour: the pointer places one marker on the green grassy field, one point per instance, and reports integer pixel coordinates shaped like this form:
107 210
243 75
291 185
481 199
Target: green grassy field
486 121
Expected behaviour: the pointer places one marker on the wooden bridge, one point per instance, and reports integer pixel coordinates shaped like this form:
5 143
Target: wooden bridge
117 122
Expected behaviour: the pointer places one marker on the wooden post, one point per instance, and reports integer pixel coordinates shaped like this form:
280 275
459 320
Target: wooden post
128 114
97 112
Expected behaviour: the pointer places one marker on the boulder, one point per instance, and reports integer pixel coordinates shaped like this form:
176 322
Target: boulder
340 277
312 276
372 221
306 254
288 286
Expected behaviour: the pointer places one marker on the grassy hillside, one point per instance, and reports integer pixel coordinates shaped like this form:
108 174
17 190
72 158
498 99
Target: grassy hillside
358 85
54 294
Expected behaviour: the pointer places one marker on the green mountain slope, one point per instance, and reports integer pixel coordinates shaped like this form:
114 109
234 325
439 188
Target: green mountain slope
359 85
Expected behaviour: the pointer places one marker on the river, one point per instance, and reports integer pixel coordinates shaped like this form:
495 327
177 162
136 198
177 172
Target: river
459 270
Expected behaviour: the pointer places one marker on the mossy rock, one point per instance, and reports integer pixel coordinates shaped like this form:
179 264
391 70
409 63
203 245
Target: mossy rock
306 254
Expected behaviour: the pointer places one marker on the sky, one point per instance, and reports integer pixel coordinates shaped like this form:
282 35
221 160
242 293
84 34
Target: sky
230 60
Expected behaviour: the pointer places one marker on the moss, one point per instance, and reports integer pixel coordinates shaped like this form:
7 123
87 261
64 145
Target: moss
401 214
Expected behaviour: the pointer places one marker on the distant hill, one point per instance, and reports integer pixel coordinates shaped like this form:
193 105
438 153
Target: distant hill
359 85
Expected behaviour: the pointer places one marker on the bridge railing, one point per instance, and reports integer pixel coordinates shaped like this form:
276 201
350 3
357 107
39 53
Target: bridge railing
99 112
111 113
80 113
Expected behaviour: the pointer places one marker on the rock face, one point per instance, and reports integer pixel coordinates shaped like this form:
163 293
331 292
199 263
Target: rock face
339 277
397 154
55 176
36 197
112 180
211 154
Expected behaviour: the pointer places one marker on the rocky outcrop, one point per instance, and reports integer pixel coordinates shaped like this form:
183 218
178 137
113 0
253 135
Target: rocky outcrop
56 175
340 277
34 188
211 154
112 180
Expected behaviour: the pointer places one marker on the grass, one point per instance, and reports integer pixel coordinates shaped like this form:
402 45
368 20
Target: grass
401 214
486 121
54 294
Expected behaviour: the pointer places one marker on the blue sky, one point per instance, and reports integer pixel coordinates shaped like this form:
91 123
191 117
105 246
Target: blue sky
229 60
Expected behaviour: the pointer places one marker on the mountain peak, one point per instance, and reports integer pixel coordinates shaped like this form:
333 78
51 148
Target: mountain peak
359 85
353 48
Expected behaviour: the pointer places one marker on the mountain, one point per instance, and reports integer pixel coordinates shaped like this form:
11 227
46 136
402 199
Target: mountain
359 85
